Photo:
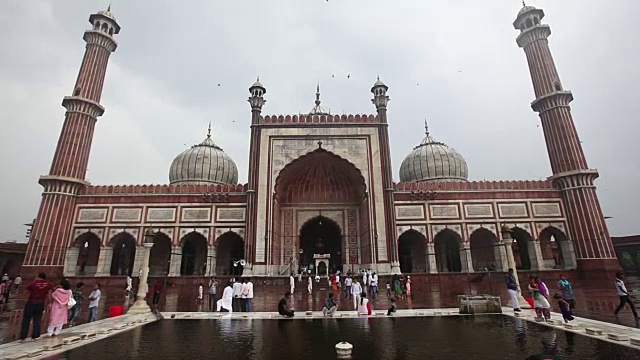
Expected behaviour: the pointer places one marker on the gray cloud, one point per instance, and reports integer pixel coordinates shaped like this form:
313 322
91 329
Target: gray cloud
162 84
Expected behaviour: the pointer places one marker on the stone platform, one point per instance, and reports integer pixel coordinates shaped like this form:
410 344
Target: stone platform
88 333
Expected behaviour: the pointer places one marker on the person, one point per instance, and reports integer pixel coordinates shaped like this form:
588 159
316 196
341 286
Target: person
243 295
292 281
5 277
408 286
74 312
225 304
157 290
283 308
512 289
94 302
330 306
373 289
249 298
566 291
393 307
237 293
310 286
16 283
540 303
356 291
363 307
6 292
200 296
624 296
348 282
388 289
33 309
4 288
213 288
565 309
544 292
58 310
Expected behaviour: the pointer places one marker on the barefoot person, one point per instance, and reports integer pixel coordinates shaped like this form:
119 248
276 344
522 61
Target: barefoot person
33 309
330 306
58 309
225 304
512 289
283 307
624 296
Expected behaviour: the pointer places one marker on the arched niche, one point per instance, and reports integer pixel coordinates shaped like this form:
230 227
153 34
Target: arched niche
521 248
483 244
194 254
447 248
88 245
229 254
160 255
124 254
321 235
557 251
412 252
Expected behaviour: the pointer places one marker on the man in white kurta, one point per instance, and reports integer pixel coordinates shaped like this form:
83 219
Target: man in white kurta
292 283
356 291
225 301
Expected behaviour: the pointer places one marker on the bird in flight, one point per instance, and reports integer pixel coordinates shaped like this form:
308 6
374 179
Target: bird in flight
349 76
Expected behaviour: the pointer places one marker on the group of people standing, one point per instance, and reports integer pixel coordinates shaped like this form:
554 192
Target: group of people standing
237 296
64 306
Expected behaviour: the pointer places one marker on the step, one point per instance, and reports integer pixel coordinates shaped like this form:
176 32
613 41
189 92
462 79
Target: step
88 335
571 326
594 331
71 340
618 337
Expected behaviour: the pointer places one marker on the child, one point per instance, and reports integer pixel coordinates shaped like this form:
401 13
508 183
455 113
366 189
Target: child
564 308
388 289
393 307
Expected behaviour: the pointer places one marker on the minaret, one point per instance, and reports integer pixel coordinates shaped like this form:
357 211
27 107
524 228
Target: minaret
587 228
380 100
257 101
51 232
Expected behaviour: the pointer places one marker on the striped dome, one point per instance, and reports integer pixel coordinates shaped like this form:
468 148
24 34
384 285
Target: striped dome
205 163
433 161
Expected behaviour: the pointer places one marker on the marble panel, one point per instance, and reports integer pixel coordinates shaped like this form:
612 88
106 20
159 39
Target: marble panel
92 215
410 212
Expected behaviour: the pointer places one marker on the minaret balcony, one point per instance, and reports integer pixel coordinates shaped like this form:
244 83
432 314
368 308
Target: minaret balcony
537 32
553 100
81 105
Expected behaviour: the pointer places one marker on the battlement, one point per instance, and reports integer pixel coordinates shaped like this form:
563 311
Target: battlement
318 119
476 185
162 189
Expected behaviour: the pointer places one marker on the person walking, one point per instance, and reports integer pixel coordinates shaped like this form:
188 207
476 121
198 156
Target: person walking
16 283
310 285
373 289
356 291
74 312
348 282
292 282
624 296
566 291
33 309
58 308
237 293
512 290
213 288
94 302
249 299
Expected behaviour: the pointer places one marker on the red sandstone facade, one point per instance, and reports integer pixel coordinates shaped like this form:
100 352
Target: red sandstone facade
319 184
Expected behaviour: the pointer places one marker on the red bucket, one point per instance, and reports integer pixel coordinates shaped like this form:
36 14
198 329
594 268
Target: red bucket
530 301
116 311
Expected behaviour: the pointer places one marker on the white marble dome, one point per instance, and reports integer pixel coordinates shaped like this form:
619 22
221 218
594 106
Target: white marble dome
205 163
433 161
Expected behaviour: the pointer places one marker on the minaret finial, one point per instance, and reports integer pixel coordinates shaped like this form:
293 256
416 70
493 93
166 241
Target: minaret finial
426 127
258 78
523 3
318 94
109 7
209 131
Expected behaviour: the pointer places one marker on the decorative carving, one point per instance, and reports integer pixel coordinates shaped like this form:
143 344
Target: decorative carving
127 214
196 214
161 214
92 215
478 210
231 214
410 212
436 229
512 210
546 209
215 198
423 195
445 211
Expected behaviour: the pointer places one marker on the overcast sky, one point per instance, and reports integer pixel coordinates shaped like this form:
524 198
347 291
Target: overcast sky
162 88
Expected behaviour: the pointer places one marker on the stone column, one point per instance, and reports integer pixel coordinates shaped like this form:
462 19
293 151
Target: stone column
500 255
138 261
141 306
568 254
176 261
104 261
465 257
535 255
211 261
70 261
511 263
432 267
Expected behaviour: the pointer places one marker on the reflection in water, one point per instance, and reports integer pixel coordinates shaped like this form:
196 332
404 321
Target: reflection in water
374 338
570 338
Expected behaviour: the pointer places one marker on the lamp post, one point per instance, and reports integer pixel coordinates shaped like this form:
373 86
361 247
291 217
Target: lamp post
507 239
141 306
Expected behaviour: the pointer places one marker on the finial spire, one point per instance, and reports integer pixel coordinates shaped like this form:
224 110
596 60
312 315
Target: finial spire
258 78
318 110
426 127
209 131
109 7
318 94
523 3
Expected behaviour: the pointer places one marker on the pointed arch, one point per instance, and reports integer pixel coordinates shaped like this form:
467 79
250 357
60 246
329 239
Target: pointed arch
229 253
88 245
557 252
124 254
321 235
160 254
483 249
520 247
194 254
447 248
412 252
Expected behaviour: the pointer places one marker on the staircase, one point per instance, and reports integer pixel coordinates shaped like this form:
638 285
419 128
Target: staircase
287 266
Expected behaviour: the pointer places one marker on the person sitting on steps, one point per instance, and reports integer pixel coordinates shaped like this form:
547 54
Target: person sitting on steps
283 308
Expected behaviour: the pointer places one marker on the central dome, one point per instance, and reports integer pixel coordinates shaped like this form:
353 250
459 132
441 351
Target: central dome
205 163
433 161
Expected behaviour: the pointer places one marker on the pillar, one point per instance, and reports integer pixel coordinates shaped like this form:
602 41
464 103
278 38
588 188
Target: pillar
71 260
141 306
176 261
432 266
138 261
535 255
568 254
501 257
104 261
211 261
465 257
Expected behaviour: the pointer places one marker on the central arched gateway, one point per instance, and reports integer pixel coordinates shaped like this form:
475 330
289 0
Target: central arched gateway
320 202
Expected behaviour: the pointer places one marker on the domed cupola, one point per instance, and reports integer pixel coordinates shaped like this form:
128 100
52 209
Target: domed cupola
204 163
433 161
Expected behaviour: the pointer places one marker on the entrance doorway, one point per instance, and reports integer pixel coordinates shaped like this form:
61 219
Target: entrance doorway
321 235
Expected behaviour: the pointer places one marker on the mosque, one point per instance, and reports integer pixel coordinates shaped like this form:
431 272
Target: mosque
320 194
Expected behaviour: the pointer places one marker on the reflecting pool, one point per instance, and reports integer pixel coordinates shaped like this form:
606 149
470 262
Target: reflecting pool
452 337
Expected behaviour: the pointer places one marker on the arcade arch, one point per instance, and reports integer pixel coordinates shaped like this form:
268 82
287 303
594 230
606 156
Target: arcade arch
230 252
447 248
194 254
412 252
557 251
124 254
483 249
160 255
520 248
88 245
321 235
